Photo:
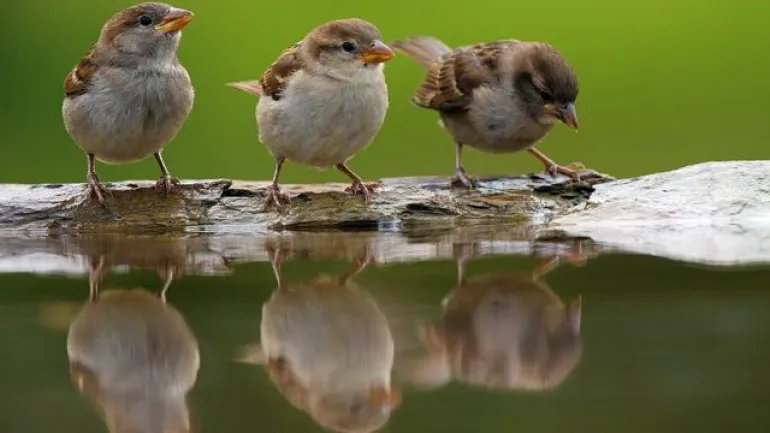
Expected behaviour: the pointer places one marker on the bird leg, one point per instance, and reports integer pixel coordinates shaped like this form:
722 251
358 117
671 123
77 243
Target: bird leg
277 256
361 261
552 167
166 183
95 274
461 177
95 187
357 186
576 257
275 198
168 278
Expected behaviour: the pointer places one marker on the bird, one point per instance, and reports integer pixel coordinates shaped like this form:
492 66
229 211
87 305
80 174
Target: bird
129 95
136 358
328 349
323 100
498 97
502 331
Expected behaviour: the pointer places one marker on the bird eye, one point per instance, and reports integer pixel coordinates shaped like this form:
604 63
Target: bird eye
145 20
349 46
546 96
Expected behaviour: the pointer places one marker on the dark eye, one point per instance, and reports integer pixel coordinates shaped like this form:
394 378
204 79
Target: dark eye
145 20
349 46
546 96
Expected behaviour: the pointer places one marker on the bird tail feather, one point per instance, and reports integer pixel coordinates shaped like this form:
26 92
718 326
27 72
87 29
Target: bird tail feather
423 49
252 87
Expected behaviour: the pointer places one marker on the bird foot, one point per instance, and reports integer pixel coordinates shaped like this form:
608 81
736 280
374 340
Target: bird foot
462 180
359 188
554 169
96 189
166 184
577 256
275 198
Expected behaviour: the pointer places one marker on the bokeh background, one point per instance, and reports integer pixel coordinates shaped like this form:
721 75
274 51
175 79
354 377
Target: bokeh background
664 83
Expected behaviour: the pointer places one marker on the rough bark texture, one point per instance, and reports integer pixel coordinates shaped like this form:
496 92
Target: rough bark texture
216 205
715 213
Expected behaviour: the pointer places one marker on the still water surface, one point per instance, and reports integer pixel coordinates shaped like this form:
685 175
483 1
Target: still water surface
162 335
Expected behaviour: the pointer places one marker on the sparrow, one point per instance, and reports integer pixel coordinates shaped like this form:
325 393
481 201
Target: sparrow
323 100
136 358
328 349
504 332
127 98
498 97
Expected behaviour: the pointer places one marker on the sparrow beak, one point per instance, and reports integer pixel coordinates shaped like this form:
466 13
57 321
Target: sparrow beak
174 21
378 52
566 113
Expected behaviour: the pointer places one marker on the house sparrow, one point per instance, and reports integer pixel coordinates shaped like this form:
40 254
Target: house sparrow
136 358
128 96
502 331
323 100
328 349
498 97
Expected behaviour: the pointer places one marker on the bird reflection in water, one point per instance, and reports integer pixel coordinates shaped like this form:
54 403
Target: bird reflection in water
328 349
135 357
502 332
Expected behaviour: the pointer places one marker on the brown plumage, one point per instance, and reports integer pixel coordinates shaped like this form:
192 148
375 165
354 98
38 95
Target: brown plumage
306 53
79 78
500 96
128 96
502 331
323 100
328 349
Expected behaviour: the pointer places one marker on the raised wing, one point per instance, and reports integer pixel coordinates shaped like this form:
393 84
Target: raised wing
451 80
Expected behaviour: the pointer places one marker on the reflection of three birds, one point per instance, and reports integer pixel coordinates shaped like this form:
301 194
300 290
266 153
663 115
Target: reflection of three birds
327 347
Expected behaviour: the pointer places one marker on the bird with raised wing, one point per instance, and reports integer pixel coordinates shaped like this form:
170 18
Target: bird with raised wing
497 97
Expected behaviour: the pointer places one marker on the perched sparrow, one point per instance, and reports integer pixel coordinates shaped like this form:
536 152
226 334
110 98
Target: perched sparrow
323 99
328 349
498 97
128 96
502 331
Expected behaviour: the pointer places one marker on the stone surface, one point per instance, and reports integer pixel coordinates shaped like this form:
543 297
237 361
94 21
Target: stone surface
715 213
224 205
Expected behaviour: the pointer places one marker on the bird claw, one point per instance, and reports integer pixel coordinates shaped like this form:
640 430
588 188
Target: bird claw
360 188
96 189
555 169
462 180
275 198
166 185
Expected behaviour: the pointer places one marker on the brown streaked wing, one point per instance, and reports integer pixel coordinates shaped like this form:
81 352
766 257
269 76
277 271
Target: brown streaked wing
274 80
449 83
79 78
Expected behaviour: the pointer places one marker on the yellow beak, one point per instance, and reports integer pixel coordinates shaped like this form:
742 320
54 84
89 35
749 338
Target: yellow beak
174 21
377 53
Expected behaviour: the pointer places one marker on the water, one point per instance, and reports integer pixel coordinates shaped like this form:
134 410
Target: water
435 334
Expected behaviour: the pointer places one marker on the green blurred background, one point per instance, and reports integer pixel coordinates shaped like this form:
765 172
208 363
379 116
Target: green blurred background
663 84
